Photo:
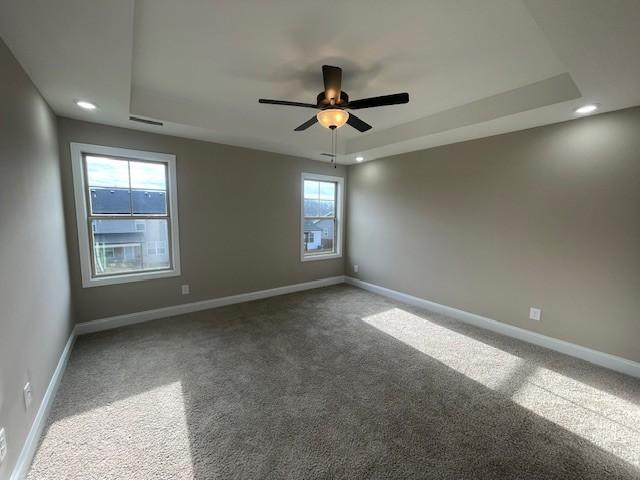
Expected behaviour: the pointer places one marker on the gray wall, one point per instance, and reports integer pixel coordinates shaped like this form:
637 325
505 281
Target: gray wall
546 217
35 303
227 198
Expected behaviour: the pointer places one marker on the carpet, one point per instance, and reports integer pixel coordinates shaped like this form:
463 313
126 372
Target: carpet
331 383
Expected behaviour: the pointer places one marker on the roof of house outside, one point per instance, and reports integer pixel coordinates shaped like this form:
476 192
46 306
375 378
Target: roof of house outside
319 226
116 201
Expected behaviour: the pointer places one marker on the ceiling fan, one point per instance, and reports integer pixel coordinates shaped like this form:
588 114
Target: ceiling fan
333 103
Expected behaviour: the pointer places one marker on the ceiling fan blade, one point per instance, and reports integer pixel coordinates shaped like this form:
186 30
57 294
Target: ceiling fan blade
358 124
332 77
285 102
382 101
306 124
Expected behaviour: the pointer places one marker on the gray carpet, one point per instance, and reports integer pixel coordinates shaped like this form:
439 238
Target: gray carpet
333 383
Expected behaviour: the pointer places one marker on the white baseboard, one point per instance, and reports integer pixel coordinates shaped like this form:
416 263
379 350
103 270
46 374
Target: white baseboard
23 463
602 359
138 317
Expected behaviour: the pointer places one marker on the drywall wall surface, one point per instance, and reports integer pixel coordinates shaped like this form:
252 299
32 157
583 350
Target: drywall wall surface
36 314
547 217
239 219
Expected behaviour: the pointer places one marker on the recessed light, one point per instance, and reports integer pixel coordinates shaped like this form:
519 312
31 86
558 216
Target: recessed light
586 109
359 159
86 105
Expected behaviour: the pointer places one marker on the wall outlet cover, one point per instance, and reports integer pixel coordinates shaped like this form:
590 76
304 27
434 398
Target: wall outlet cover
3 445
535 314
186 289
356 268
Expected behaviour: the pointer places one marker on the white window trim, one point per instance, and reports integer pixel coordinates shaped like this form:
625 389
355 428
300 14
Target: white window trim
79 191
340 195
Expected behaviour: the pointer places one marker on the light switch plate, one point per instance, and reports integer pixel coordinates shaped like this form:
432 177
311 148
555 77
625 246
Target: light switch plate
535 314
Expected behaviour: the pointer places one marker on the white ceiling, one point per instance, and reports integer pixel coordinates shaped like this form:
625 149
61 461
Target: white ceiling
471 68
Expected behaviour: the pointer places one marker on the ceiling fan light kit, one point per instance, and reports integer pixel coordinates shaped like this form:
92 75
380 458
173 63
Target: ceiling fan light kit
332 118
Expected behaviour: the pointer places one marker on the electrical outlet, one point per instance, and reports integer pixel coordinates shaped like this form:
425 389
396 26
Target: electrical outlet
356 268
535 314
27 395
186 289
3 445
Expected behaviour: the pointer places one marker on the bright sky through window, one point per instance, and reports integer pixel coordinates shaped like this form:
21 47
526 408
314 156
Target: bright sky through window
109 172
319 190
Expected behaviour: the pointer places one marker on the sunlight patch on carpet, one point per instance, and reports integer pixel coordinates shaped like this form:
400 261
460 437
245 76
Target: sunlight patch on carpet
147 432
606 420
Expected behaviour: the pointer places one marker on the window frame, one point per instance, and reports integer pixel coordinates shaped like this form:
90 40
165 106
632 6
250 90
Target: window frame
339 216
83 215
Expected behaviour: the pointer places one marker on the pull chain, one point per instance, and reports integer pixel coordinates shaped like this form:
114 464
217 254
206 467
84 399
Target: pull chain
334 147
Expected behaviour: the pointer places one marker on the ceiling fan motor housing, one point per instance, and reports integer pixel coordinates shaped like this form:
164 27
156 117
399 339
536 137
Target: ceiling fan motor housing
324 102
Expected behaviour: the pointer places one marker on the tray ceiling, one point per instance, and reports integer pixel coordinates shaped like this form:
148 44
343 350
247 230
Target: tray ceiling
471 68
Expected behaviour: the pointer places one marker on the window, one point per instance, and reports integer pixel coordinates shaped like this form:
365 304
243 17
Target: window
321 217
127 214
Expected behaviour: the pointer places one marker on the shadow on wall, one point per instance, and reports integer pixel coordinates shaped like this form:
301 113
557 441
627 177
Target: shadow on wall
336 382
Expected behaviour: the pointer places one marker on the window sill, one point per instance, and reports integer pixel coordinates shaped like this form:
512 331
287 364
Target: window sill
313 258
128 278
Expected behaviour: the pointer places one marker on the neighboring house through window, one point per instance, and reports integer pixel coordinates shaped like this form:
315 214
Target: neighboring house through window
322 205
127 214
